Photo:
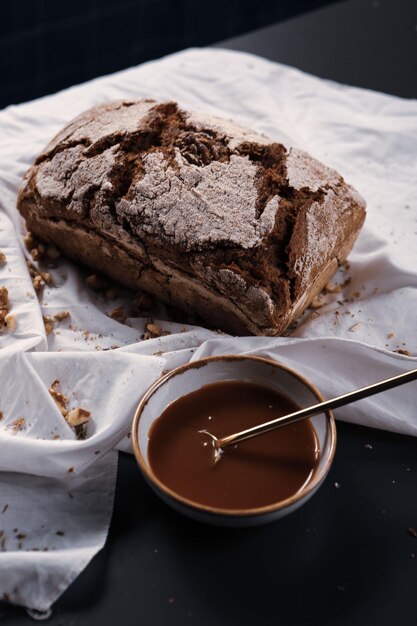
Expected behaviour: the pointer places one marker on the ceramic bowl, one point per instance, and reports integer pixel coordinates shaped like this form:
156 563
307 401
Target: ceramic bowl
191 377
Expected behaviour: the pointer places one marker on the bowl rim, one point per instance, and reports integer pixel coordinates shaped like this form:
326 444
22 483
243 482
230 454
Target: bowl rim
147 471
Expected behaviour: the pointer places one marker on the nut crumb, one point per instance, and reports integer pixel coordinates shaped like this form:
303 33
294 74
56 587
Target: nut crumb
11 322
4 296
60 400
390 335
38 283
355 327
48 323
368 446
2 258
19 424
412 532
153 330
333 288
403 352
77 416
318 302
29 241
62 315
71 470
337 485
36 254
118 314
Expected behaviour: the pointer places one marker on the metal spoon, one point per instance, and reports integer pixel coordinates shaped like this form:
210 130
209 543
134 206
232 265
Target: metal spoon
219 443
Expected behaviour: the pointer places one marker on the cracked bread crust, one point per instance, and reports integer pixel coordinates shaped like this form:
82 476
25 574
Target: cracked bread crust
202 213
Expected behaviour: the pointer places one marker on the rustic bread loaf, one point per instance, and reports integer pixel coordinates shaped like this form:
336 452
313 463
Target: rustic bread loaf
198 211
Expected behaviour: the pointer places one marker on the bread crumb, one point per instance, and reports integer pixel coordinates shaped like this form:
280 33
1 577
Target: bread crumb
390 335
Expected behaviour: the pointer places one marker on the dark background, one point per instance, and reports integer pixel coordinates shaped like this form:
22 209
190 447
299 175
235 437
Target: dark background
46 45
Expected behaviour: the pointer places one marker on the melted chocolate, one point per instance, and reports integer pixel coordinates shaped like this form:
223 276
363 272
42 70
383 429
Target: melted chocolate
254 473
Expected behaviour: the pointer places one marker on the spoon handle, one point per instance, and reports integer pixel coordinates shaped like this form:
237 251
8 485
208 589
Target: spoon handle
310 411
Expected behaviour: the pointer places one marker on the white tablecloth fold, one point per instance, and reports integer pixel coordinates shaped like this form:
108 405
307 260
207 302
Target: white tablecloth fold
56 492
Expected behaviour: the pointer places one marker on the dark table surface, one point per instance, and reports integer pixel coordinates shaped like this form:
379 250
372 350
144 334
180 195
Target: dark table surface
346 557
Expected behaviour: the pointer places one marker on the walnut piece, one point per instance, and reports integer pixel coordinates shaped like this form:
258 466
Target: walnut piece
4 296
5 318
60 400
154 330
318 302
29 241
61 316
118 314
11 322
78 416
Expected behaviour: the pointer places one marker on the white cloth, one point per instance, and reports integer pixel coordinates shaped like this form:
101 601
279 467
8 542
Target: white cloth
58 493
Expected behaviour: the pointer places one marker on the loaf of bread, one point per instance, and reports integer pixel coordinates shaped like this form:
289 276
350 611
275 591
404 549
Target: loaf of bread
205 215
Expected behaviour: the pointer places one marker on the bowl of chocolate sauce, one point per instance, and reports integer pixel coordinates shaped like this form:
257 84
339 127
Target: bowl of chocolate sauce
253 482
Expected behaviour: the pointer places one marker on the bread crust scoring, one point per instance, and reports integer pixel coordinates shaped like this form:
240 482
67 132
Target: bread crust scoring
204 214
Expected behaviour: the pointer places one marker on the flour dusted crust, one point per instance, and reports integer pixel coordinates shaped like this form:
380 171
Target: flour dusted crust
206 215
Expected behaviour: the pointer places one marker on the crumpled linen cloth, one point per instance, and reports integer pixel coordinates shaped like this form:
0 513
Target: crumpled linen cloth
56 492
